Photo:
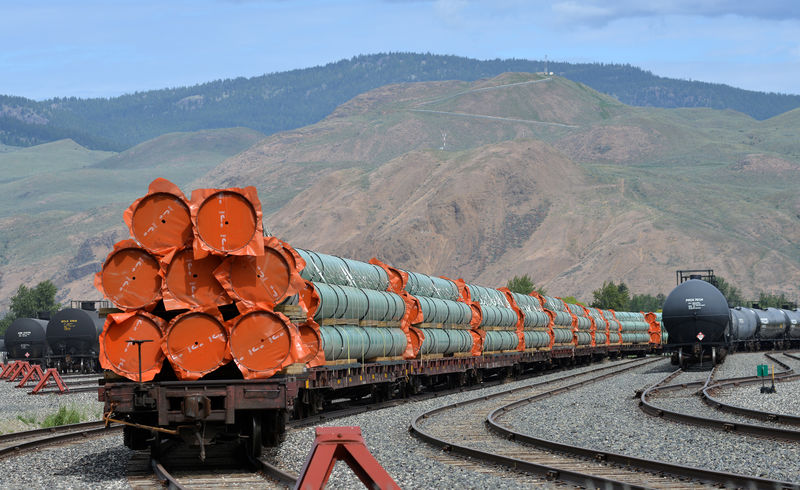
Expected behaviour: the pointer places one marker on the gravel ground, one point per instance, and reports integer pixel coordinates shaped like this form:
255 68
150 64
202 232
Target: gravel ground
615 423
412 463
784 401
744 364
94 463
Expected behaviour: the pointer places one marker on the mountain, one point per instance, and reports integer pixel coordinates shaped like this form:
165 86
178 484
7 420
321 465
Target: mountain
288 100
61 204
520 173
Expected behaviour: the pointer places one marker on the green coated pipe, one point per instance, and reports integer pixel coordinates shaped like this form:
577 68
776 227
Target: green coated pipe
445 341
352 342
500 340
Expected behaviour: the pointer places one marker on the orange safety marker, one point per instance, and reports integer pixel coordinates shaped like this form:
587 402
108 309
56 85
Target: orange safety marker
346 444
50 374
35 371
21 369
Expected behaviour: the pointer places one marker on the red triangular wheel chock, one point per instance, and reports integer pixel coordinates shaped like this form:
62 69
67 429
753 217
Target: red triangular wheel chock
35 371
50 373
7 368
20 369
345 443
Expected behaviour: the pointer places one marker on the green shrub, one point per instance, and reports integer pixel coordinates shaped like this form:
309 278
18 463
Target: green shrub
64 416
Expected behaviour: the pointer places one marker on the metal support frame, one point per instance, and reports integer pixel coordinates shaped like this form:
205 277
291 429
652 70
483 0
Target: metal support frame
347 444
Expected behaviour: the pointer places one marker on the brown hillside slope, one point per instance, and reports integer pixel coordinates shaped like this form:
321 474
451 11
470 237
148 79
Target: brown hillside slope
517 174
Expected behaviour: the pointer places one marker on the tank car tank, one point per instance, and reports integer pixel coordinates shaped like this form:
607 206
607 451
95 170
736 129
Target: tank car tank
72 335
792 325
26 340
697 319
771 327
743 328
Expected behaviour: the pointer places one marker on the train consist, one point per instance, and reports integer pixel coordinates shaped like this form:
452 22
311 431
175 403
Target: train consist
700 325
67 341
223 332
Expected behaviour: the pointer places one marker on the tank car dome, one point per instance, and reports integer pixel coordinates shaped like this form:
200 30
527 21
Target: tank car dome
696 311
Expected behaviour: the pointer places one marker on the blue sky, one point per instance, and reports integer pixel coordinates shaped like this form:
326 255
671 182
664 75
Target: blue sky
94 48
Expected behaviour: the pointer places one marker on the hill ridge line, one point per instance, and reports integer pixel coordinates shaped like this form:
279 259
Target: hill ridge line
483 89
497 118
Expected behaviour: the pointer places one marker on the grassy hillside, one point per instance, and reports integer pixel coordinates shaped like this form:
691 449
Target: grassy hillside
282 101
520 173
61 208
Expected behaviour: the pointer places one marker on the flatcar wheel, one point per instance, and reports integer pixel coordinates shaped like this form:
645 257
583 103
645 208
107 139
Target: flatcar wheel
252 442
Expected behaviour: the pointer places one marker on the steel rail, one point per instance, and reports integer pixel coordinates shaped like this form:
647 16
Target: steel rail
164 476
653 466
783 418
15 449
12 436
754 430
549 472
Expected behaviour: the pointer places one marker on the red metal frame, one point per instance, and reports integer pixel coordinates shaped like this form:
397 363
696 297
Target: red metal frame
346 444
50 374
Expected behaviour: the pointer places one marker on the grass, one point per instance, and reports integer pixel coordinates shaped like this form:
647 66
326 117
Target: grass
63 416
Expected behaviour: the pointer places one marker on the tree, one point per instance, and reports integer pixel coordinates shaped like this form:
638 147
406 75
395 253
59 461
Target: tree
646 302
28 302
767 300
731 293
524 285
611 296
572 300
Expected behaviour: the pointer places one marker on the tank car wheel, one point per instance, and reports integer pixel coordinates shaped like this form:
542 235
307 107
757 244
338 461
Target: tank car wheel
674 359
714 360
681 359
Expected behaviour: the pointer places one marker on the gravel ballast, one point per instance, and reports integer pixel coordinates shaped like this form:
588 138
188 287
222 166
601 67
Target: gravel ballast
606 416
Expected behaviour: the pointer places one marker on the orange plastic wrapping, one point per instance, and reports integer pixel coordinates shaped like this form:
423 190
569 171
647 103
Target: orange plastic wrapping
478 335
593 328
196 343
413 310
655 328
308 299
227 222
190 283
262 281
550 315
161 220
130 277
312 340
121 356
263 342
520 326
574 321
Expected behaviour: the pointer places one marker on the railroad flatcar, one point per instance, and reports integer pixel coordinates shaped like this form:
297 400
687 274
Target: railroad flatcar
26 340
247 330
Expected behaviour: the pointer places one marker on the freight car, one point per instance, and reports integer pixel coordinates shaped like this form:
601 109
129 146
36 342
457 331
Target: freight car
72 335
26 340
701 325
305 328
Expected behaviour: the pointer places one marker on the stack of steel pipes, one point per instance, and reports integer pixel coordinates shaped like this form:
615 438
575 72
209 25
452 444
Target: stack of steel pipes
164 279
199 285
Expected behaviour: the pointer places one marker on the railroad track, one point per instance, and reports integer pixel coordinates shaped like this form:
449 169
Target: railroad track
704 389
586 467
16 443
146 472
788 375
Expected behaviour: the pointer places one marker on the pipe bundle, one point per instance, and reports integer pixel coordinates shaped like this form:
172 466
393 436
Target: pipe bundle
199 285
